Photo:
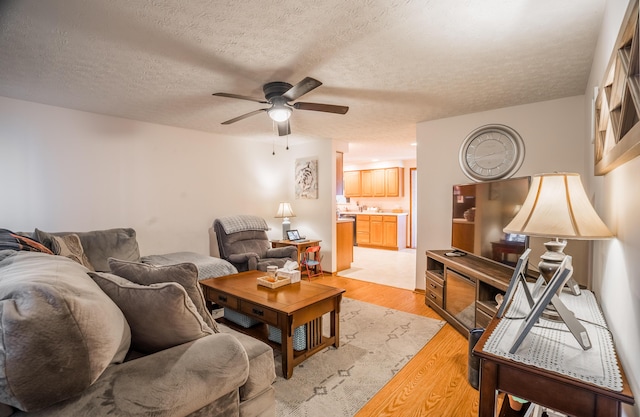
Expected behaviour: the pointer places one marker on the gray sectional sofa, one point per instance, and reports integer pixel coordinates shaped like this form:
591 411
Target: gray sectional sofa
98 333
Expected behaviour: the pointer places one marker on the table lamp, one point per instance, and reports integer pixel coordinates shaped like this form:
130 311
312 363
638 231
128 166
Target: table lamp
558 207
284 212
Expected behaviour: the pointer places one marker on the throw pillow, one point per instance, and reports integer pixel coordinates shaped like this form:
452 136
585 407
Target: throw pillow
100 245
160 315
59 330
45 238
185 274
14 241
70 246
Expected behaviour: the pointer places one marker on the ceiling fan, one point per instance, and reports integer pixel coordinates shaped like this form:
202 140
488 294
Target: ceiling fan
279 94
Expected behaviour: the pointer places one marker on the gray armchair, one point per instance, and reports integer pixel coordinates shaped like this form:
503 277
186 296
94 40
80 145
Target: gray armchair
242 240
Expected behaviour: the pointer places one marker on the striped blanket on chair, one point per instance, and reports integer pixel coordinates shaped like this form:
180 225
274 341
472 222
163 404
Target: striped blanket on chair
242 222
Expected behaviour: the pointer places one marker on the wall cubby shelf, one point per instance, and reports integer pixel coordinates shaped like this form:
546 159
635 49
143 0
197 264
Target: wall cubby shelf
617 106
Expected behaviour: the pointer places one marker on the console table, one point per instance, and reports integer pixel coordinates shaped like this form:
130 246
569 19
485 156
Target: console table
557 391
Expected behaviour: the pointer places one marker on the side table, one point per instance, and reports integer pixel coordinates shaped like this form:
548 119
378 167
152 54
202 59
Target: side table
300 246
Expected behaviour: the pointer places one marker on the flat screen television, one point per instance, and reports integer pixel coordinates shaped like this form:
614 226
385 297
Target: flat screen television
480 212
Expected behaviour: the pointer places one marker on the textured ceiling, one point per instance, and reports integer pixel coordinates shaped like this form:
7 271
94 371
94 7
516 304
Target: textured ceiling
393 62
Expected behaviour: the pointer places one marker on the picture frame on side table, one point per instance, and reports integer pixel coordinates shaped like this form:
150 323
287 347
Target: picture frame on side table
518 277
550 296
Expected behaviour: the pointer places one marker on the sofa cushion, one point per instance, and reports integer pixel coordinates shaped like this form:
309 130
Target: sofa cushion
185 274
262 371
100 245
59 330
71 247
174 382
160 315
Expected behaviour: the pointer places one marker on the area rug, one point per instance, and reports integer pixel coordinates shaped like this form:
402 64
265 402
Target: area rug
375 343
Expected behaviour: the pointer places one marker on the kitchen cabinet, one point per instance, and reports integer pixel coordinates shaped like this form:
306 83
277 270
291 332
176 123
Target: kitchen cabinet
362 229
379 183
344 243
366 178
387 182
393 182
376 231
390 231
352 184
384 231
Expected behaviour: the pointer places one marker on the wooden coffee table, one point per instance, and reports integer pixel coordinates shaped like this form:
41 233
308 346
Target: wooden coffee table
286 308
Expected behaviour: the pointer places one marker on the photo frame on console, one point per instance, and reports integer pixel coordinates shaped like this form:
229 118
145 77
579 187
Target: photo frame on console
550 296
519 276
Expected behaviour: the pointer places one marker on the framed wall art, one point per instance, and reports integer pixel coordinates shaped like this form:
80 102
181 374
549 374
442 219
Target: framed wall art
306 178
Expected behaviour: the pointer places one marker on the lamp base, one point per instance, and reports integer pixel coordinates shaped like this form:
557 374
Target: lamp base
549 263
286 226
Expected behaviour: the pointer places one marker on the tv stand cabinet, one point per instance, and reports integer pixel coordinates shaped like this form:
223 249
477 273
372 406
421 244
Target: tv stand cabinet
490 279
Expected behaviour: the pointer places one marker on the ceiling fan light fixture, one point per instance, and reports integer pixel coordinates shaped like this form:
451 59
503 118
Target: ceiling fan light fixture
279 113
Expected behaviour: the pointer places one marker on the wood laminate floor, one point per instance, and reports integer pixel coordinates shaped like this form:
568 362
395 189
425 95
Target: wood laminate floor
434 383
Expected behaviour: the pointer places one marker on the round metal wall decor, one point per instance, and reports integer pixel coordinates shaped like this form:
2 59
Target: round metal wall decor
491 152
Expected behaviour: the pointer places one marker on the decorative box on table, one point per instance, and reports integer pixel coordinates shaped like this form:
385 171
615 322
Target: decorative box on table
293 275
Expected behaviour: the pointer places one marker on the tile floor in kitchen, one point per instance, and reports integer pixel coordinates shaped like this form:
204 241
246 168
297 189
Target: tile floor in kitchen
394 268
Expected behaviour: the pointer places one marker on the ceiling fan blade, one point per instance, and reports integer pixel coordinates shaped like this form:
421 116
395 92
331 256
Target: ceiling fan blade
284 128
244 116
328 108
303 87
229 95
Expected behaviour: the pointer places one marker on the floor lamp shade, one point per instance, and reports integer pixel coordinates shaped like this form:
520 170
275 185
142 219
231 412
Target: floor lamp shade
284 212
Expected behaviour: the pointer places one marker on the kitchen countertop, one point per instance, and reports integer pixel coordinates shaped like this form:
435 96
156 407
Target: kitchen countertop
374 213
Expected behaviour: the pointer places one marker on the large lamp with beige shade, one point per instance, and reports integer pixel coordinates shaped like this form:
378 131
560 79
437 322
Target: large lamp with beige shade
558 207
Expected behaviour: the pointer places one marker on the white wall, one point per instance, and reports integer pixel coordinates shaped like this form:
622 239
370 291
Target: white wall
75 171
553 133
616 262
